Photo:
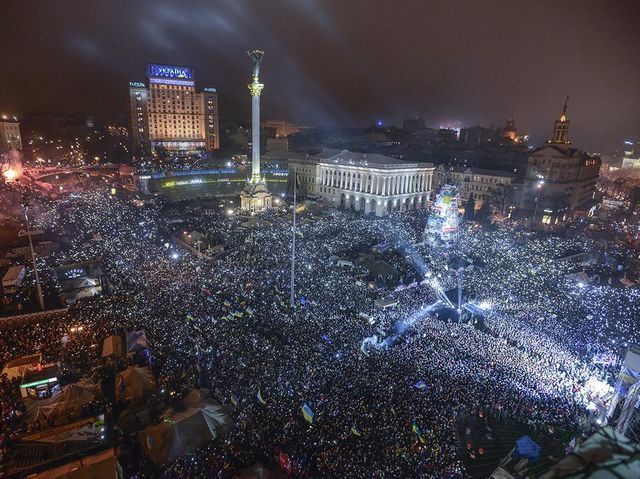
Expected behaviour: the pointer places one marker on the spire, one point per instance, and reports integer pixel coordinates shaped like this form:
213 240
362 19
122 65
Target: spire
563 117
561 128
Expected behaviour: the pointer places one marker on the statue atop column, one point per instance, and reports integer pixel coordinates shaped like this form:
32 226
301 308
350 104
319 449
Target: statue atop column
255 197
256 56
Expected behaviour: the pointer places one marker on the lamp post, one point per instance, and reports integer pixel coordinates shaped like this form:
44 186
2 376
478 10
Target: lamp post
539 186
25 207
293 242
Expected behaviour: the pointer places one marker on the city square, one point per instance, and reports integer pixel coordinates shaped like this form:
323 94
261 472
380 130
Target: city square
186 295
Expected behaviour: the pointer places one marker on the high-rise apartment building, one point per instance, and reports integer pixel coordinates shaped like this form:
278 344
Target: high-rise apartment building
168 112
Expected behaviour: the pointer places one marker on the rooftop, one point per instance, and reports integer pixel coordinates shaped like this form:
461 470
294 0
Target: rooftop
373 160
479 171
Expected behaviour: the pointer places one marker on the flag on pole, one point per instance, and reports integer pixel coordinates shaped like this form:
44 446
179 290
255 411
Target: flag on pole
307 413
355 431
416 429
421 385
259 396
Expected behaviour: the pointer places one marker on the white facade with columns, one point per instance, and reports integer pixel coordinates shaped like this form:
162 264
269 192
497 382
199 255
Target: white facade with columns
366 182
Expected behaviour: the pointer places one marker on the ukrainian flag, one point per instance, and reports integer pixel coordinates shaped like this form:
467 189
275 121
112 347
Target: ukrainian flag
355 431
259 396
307 413
189 317
416 429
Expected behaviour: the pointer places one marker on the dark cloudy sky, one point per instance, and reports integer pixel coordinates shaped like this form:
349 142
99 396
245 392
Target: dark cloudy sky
340 62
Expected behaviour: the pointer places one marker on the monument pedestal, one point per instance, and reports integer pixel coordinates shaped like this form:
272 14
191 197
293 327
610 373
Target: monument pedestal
255 197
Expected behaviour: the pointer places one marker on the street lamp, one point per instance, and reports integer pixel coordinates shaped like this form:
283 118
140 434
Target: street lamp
539 186
25 207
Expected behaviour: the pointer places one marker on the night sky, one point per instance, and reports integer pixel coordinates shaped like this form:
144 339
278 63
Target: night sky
340 63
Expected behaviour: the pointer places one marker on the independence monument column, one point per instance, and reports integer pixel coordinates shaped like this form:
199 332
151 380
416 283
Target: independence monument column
255 197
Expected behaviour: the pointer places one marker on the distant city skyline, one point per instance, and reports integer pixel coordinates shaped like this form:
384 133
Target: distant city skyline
341 64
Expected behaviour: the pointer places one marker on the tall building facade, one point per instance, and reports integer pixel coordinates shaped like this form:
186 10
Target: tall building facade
484 185
10 138
560 181
167 112
369 183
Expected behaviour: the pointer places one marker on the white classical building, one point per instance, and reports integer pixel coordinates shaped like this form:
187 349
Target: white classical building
365 182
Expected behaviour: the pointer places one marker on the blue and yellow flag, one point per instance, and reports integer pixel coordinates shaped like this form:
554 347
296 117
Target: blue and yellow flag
307 413
259 396
416 429
355 431
189 317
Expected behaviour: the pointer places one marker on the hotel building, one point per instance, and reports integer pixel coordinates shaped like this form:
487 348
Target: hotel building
168 112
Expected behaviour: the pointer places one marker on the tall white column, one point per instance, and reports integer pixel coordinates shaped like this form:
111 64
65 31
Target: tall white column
255 131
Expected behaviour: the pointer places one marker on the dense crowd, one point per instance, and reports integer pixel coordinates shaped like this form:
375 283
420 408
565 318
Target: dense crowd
226 325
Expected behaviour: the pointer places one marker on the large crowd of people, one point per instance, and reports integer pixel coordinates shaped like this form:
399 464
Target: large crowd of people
226 324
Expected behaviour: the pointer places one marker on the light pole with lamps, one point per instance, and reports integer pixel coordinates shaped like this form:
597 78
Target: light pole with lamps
25 207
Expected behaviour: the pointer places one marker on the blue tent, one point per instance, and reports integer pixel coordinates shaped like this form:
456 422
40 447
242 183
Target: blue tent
526 447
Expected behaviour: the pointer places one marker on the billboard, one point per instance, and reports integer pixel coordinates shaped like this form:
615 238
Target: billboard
167 71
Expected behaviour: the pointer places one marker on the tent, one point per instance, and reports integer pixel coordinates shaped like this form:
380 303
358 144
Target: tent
133 383
70 402
17 367
184 432
526 447
113 346
607 454
137 341
104 465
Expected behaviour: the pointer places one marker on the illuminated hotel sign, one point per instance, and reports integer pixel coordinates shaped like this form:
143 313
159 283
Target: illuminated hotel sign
164 71
136 84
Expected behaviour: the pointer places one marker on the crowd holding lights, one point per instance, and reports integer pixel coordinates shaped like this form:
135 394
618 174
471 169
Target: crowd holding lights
227 325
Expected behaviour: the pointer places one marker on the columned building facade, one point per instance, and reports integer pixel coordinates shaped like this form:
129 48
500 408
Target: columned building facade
369 183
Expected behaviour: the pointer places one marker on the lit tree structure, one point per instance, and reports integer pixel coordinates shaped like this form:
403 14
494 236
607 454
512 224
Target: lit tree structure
444 218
